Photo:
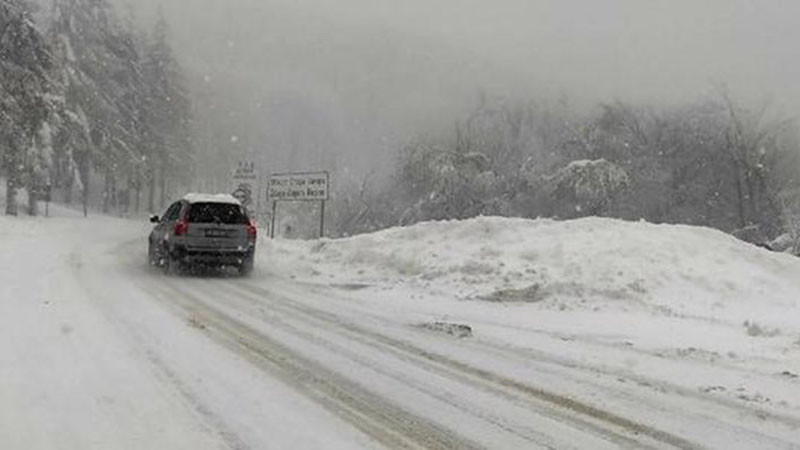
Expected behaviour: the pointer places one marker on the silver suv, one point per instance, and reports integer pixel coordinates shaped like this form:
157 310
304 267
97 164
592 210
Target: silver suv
203 229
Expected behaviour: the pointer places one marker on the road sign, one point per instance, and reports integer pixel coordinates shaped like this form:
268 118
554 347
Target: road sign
244 193
294 187
299 187
246 171
245 181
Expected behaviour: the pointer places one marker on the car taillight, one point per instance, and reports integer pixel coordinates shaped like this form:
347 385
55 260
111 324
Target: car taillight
252 230
181 227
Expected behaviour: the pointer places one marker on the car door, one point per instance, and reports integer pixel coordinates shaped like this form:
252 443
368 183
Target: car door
162 230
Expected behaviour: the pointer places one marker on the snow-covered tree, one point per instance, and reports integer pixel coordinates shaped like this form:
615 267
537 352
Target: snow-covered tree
755 154
28 94
104 83
169 149
127 111
445 184
586 187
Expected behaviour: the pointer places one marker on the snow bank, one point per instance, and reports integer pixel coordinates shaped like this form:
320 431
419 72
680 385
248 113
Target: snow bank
590 263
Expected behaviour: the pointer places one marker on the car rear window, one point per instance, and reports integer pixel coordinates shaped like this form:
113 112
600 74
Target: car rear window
217 213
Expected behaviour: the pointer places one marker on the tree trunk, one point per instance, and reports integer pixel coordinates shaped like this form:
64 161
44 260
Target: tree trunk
85 173
11 195
106 191
138 194
740 197
753 199
68 187
33 202
151 194
114 201
773 210
162 182
12 164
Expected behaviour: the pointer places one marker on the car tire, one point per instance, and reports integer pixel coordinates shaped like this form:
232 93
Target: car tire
153 258
246 267
172 266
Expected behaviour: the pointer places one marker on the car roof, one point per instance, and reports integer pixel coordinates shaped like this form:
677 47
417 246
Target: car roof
211 198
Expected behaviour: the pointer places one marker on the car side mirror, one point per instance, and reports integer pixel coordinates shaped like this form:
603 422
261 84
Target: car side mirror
154 219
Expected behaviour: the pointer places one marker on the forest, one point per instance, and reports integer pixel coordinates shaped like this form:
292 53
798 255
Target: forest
89 99
713 162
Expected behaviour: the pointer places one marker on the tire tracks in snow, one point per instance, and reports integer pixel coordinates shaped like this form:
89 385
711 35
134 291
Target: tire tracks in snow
377 417
580 416
653 353
618 429
614 427
527 355
527 433
647 381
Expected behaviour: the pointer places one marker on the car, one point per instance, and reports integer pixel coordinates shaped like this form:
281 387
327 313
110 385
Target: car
203 230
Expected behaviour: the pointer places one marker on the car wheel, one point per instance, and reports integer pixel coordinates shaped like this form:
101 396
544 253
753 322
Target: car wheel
246 267
172 266
153 258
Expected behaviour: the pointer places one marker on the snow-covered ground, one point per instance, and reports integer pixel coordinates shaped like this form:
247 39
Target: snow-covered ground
486 333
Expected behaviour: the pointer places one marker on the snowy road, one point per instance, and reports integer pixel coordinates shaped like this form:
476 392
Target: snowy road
100 351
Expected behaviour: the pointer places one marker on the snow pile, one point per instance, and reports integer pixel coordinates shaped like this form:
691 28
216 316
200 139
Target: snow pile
589 263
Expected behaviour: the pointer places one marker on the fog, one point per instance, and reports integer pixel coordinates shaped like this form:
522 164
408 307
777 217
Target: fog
310 83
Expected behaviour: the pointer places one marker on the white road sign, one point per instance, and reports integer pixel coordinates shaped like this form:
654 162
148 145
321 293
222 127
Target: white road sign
245 182
299 187
245 171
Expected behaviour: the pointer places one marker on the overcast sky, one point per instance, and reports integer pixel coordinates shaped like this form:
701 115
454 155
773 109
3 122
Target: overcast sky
372 71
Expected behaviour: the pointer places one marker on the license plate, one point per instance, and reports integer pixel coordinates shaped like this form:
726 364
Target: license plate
217 233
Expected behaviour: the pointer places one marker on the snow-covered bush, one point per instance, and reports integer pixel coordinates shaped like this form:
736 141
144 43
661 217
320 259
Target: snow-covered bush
449 185
789 241
585 187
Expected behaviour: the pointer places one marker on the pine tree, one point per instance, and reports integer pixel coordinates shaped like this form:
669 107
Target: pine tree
169 147
27 91
104 85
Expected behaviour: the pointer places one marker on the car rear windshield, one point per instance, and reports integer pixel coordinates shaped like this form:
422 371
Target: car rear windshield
226 213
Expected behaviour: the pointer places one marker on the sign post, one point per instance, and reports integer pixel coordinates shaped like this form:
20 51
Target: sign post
322 219
245 180
272 225
299 187
48 195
